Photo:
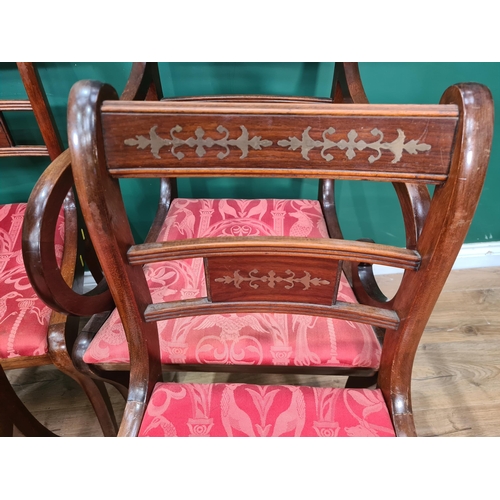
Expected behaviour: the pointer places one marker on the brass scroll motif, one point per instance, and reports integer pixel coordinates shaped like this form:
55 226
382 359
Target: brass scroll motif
396 147
271 279
306 143
243 142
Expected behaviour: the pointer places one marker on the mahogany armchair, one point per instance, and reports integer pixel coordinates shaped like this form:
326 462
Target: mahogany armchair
271 285
103 353
30 333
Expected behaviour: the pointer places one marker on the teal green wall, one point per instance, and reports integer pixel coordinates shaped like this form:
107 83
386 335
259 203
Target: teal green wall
365 210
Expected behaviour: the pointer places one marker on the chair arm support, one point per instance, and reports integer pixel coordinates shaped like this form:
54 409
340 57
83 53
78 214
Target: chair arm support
53 285
144 83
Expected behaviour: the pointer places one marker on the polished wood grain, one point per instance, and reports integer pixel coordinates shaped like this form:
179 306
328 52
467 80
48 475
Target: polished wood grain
291 279
25 361
342 310
275 106
275 124
320 248
246 98
455 381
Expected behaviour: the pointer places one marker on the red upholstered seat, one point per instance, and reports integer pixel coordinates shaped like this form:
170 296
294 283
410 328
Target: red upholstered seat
251 410
264 339
23 316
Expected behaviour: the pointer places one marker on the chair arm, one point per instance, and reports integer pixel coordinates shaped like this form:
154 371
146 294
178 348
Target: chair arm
52 284
347 85
143 84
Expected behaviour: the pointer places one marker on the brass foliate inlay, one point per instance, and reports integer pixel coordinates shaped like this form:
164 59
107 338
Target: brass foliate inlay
271 279
155 142
306 143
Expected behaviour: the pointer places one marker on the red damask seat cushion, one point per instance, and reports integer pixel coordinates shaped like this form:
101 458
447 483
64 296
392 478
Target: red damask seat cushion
23 316
263 339
259 411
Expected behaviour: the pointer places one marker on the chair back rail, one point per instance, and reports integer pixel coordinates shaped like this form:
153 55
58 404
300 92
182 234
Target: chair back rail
315 140
38 104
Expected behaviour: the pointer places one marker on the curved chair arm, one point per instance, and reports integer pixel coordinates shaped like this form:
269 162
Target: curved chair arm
365 285
347 86
143 84
52 284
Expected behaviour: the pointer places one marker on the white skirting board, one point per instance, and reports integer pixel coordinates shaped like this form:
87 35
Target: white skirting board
470 256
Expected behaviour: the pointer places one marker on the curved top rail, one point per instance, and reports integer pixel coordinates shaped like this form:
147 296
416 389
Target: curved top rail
280 108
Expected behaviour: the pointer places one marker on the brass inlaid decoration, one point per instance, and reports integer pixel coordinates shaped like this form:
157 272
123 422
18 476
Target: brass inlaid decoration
396 147
271 279
243 142
306 143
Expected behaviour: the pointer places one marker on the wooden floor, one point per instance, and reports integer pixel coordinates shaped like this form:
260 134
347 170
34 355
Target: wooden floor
456 376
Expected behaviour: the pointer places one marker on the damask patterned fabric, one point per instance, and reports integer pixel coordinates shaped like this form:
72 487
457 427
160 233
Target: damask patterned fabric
260 411
23 316
264 339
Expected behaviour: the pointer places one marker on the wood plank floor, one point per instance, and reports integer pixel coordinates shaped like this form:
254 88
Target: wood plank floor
456 376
